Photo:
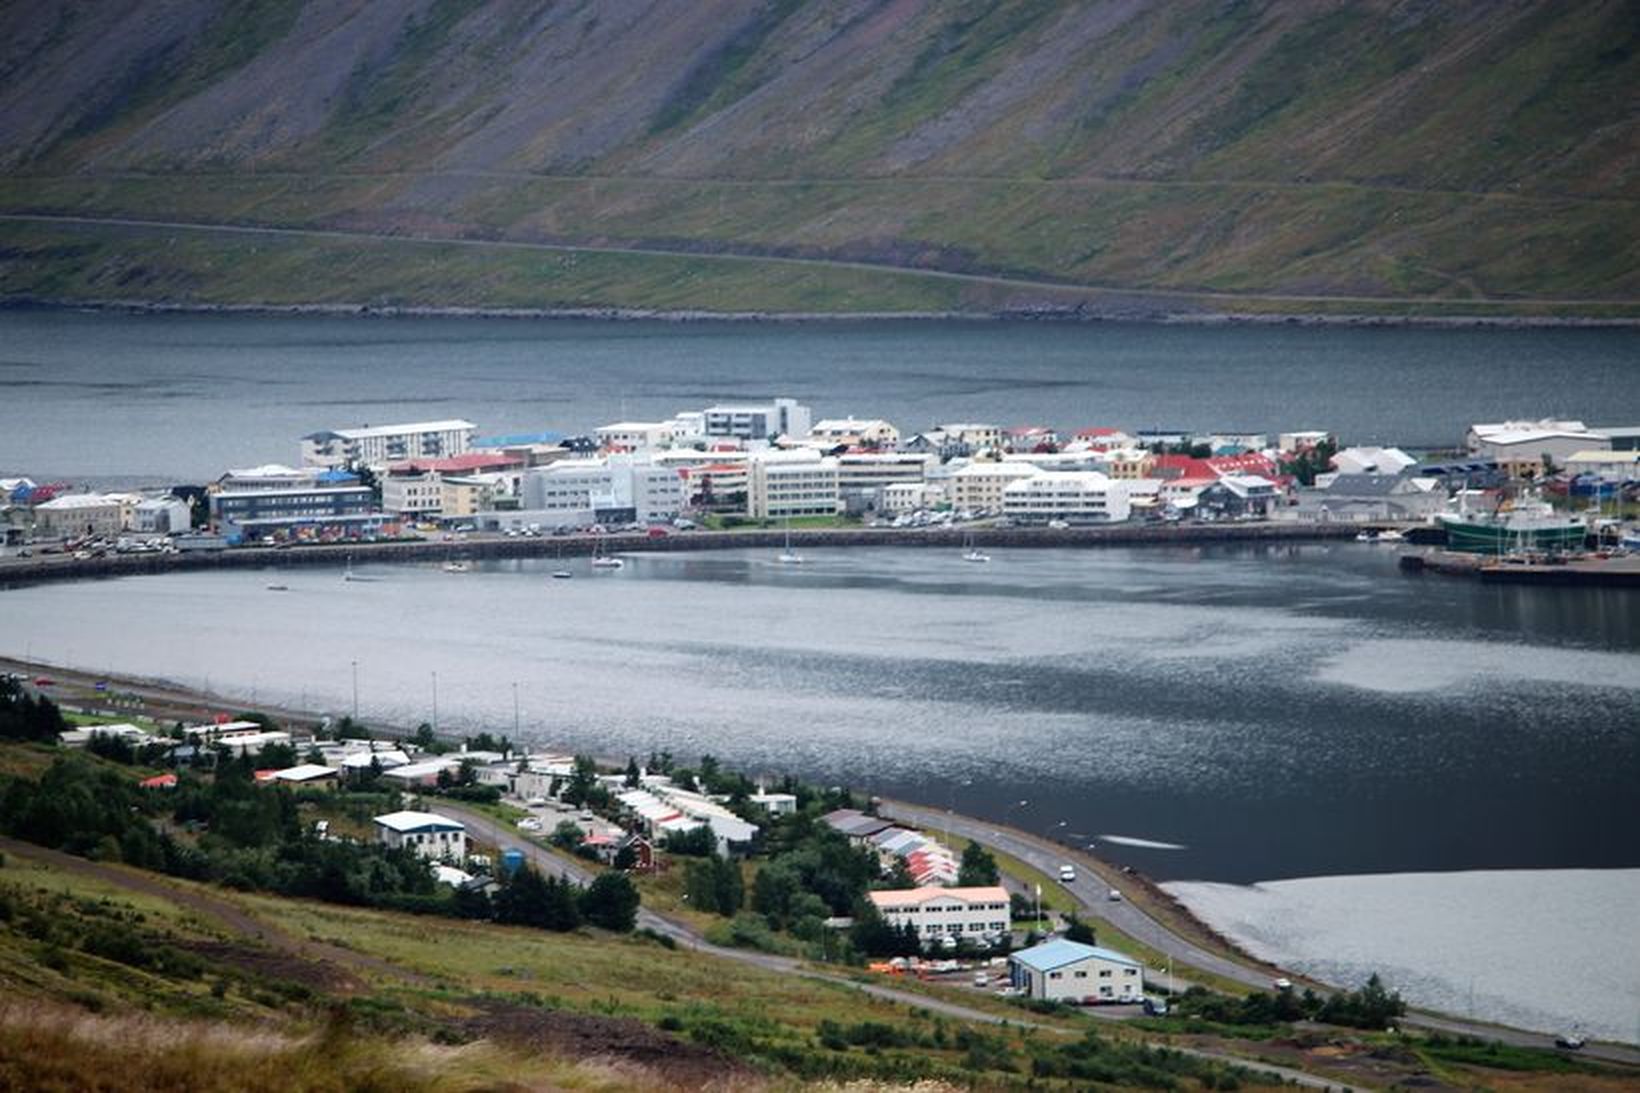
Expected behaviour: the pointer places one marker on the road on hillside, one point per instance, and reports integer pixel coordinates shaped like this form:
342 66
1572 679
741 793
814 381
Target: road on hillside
1095 881
489 830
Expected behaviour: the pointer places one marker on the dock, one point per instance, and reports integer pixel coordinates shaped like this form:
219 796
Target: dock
1582 571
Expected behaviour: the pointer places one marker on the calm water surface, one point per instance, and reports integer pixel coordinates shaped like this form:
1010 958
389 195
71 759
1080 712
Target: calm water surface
1272 712
84 394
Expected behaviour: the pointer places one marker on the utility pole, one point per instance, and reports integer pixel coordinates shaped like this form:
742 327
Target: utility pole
355 692
515 711
435 703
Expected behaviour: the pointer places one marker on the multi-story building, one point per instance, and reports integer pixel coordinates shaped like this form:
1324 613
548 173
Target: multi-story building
859 472
1031 438
1128 463
763 421
413 494
584 485
379 445
634 436
657 491
864 432
426 833
254 513
980 485
978 914
976 437
76 514
1076 497
795 483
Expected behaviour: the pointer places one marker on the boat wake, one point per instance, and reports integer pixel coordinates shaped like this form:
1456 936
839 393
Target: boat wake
1143 844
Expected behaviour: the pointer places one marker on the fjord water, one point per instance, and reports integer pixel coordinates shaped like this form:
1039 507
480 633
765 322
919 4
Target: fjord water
186 396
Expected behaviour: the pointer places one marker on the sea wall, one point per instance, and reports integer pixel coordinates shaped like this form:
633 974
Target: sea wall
14 572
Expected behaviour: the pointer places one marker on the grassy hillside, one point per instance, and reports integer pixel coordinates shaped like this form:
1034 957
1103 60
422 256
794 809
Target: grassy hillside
1284 155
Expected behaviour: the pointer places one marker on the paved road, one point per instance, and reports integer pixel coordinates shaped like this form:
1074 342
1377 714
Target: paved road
1095 880
489 830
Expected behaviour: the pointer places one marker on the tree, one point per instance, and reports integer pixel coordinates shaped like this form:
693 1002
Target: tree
715 884
899 876
583 787
611 903
568 835
698 842
633 775
626 859
1077 930
978 868
28 717
529 899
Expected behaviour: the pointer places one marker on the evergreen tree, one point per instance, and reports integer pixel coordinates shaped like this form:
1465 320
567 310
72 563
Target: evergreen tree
611 903
978 867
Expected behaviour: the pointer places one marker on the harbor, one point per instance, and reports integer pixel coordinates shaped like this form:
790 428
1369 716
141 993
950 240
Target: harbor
1577 571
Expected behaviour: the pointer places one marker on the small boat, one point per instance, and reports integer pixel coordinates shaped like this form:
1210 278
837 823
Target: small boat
601 559
787 555
1366 537
561 574
278 588
971 553
1391 536
456 567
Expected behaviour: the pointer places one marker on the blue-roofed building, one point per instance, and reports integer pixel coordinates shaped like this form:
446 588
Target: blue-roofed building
518 440
1069 971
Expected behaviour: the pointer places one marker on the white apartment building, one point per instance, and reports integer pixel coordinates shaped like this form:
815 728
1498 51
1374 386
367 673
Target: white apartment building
899 498
378 445
161 516
795 483
860 471
634 436
762 421
580 485
428 834
1077 497
849 430
979 914
980 485
657 491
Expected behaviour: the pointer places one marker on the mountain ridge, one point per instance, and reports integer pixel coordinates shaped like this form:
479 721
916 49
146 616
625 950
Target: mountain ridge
1384 149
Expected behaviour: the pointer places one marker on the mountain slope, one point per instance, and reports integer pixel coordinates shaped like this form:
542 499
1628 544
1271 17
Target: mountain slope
1457 153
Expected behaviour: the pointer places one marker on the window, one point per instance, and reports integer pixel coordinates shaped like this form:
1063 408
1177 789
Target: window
1056 975
1081 975
1104 973
1130 971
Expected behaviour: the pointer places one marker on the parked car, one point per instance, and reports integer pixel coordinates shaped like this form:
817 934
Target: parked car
1569 1041
1155 1007
982 979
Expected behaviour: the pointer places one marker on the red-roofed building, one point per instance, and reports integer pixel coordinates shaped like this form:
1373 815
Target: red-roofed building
469 463
1032 438
159 781
1169 467
1245 463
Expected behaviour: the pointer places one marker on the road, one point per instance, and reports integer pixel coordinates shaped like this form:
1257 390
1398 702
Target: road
488 830
1096 879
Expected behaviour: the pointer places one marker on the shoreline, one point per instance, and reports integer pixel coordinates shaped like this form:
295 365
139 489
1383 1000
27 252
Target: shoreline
1083 314
58 567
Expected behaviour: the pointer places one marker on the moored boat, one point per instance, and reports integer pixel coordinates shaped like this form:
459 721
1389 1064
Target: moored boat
1527 525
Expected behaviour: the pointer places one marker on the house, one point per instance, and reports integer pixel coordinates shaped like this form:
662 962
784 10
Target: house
1523 447
634 436
775 804
974 436
1371 460
79 738
977 914
1068 971
426 833
1620 466
757 422
420 774
1031 438
76 514
307 775
856 432
159 781
1373 498
856 825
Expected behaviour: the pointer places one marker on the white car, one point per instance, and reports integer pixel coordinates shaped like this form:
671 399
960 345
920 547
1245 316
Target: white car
1114 896
1067 874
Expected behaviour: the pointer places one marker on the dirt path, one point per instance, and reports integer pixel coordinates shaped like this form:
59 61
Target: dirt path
335 968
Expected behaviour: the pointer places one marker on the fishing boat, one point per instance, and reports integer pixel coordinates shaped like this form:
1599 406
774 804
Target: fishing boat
1527 524
971 553
1391 536
456 567
561 574
1366 537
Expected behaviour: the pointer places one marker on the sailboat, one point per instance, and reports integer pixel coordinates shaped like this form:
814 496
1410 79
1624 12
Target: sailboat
601 559
349 575
789 556
971 553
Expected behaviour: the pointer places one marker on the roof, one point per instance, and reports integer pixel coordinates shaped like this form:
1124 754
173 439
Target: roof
422 770
80 501
393 430
419 821
1367 485
304 772
1059 952
911 897
456 464
159 781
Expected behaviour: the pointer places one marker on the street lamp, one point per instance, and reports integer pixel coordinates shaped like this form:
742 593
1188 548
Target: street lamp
435 703
515 710
355 692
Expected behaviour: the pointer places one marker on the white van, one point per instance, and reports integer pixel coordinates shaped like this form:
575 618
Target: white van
1067 874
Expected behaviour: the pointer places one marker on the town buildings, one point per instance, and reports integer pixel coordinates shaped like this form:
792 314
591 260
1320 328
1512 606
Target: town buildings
1075 497
757 421
801 482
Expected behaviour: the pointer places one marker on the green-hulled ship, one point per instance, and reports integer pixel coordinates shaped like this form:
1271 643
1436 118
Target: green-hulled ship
1529 526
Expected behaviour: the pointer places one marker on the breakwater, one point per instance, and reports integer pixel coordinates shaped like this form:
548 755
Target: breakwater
18 571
